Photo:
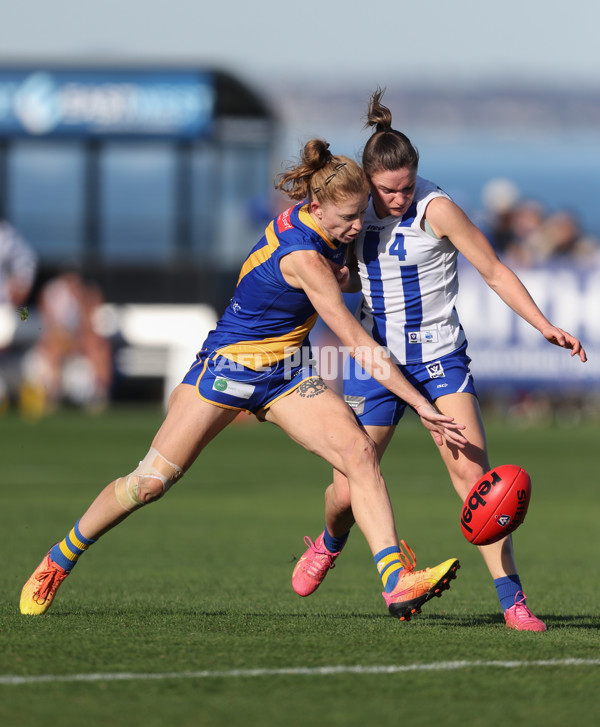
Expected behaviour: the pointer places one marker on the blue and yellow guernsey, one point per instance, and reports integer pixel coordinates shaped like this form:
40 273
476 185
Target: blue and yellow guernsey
267 319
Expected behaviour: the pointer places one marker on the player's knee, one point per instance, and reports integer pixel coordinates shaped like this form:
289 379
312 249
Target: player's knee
149 489
360 453
148 482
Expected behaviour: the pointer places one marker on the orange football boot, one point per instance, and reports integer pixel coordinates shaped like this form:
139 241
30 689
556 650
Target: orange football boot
39 591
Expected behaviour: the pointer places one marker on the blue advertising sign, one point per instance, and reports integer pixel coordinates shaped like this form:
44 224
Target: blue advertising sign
176 104
507 351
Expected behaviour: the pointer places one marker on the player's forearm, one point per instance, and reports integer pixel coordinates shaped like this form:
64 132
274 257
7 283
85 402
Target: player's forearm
516 296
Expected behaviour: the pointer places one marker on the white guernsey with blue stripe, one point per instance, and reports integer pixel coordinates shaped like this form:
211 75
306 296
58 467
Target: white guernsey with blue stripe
409 282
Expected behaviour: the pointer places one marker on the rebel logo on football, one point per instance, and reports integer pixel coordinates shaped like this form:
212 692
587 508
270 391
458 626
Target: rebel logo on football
477 499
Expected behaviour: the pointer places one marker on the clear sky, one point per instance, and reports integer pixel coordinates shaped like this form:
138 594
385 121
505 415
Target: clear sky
540 41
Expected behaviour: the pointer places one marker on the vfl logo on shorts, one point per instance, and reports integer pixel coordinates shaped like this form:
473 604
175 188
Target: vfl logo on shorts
435 370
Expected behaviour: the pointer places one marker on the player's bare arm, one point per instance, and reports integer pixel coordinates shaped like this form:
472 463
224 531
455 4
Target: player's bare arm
448 220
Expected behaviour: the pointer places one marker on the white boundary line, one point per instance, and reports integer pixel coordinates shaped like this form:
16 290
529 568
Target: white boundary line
8 679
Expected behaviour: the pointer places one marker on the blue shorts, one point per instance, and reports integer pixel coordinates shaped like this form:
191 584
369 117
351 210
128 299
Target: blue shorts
373 404
230 385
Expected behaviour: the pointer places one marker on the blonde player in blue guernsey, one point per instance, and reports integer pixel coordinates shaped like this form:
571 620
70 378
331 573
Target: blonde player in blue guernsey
405 260
248 363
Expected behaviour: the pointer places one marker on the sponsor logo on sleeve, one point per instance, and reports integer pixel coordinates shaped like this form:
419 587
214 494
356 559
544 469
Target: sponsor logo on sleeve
283 221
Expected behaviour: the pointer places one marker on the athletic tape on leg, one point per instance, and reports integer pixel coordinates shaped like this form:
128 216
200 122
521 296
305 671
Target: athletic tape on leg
153 466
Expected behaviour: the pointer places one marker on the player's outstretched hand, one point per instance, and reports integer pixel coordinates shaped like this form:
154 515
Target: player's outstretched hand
561 338
441 427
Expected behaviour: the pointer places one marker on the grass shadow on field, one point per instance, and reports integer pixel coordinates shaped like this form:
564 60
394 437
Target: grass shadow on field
582 621
163 612
138 616
273 617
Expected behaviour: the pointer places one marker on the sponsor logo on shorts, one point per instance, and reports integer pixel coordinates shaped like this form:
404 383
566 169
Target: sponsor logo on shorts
356 403
435 370
233 388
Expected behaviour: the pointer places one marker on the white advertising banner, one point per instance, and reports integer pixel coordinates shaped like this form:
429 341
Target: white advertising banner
505 350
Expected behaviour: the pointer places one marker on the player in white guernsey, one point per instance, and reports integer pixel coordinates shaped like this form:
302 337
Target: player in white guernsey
409 282
405 260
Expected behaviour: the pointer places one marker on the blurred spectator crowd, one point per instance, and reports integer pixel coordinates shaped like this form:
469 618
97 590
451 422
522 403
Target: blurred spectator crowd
71 361
66 360
525 234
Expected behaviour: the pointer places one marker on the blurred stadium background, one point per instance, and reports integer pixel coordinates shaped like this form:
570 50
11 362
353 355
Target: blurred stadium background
151 180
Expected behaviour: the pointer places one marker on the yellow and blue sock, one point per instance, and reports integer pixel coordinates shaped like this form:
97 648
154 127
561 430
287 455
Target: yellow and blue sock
389 567
333 544
507 588
67 552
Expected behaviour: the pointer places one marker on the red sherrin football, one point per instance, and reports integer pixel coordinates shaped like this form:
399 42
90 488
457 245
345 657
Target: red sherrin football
496 505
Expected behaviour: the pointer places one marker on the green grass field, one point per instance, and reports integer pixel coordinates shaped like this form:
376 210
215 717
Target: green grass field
195 590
